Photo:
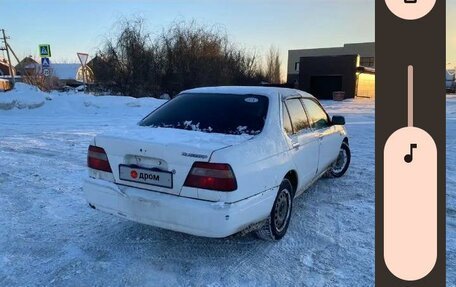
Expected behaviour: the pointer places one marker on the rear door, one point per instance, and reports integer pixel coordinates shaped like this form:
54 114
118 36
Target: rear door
328 135
304 140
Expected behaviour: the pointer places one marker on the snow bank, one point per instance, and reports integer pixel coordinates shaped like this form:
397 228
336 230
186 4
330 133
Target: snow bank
24 98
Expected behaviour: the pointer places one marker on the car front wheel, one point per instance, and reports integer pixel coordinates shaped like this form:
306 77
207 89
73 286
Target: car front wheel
276 225
340 166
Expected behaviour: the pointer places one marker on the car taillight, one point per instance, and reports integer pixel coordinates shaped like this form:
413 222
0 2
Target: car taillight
97 159
213 176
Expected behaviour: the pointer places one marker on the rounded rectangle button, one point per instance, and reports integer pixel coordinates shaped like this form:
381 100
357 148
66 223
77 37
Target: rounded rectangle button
410 203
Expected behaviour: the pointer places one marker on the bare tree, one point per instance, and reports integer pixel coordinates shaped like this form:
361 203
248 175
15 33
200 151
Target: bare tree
186 55
126 64
273 65
195 56
44 83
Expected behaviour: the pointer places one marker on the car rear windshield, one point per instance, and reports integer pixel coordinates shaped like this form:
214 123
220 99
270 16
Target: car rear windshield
212 113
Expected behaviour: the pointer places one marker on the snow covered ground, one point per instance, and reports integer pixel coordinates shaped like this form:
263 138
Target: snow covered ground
49 237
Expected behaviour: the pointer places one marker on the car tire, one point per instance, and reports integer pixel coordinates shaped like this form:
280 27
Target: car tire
340 166
276 225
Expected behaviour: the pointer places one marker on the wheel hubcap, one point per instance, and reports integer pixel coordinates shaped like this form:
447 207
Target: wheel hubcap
282 210
341 161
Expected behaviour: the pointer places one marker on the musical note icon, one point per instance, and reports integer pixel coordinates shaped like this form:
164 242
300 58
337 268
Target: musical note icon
409 157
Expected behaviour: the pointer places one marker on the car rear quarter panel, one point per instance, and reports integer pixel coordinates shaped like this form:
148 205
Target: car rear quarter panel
260 163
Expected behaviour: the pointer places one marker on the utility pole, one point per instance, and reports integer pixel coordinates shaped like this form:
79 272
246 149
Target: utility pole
9 58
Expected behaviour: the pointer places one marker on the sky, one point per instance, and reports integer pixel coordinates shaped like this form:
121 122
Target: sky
71 26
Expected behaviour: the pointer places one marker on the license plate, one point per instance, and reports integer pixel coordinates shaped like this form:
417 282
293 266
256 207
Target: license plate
146 176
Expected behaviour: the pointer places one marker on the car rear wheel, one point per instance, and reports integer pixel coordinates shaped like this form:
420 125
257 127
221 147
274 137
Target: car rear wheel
276 225
340 166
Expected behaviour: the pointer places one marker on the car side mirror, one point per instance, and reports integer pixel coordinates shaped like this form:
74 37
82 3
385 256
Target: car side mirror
338 120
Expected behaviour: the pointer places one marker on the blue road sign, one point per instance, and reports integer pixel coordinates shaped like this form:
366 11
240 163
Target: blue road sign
45 63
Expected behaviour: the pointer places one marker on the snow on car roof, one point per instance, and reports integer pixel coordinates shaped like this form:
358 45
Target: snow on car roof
245 90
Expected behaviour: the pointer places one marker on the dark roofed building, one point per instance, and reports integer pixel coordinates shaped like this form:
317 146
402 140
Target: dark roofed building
28 66
322 76
366 52
322 72
4 68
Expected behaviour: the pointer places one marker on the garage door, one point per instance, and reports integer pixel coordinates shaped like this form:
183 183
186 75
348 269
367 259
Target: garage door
322 87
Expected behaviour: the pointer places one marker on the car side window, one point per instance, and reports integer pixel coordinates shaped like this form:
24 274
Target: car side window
298 115
286 120
317 115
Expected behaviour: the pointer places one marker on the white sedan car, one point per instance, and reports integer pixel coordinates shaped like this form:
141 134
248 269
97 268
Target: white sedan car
217 161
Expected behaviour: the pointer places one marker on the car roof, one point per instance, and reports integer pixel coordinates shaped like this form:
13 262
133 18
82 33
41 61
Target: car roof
256 90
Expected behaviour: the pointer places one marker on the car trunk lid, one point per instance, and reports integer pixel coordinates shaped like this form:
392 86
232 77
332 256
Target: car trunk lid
160 159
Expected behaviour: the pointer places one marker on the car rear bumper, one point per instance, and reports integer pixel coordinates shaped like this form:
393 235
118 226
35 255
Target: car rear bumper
192 216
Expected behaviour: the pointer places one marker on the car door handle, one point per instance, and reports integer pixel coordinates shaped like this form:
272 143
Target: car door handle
296 145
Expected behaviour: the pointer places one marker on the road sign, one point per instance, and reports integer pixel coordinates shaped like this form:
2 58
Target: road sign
83 58
46 72
45 62
45 50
